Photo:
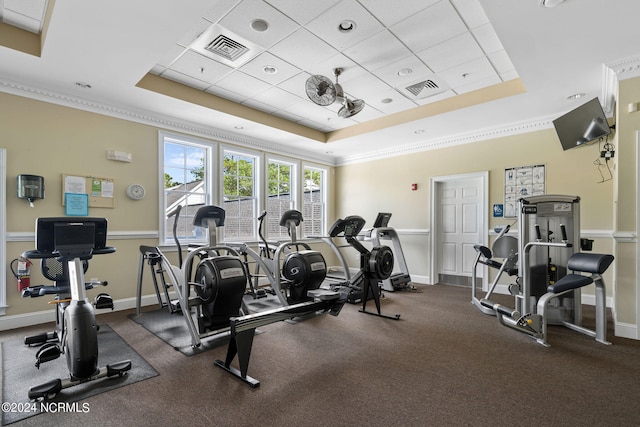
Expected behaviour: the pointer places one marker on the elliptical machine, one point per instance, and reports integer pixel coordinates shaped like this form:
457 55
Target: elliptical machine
215 271
65 245
302 269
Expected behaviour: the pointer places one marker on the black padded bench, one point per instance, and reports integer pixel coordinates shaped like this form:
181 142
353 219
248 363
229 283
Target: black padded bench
596 264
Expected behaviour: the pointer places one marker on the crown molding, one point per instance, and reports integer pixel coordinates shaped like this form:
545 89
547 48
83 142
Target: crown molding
153 119
467 138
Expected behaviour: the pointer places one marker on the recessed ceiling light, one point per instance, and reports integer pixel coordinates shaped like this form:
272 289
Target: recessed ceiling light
386 101
83 85
346 26
576 96
405 72
270 69
259 25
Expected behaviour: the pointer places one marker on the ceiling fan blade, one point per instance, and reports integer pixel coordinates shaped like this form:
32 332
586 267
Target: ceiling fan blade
320 90
351 108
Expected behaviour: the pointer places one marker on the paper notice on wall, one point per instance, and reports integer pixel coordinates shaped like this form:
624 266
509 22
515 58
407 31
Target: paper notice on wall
75 185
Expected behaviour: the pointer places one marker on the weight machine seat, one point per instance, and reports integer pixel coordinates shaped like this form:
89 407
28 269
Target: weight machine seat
505 247
581 262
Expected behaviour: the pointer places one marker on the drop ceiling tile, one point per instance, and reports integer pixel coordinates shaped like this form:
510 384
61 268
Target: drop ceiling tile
308 110
240 18
509 75
200 67
277 97
378 51
295 84
501 62
172 55
194 32
21 21
243 84
369 112
227 94
267 108
468 73
185 80
429 27
471 12
33 9
455 51
256 68
349 68
287 115
390 74
218 9
398 102
480 84
488 39
326 25
302 11
364 87
303 49
435 98
392 12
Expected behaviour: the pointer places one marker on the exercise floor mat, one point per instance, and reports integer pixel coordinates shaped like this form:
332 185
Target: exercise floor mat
19 374
172 328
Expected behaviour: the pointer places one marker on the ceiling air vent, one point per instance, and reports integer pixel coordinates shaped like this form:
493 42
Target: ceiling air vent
416 89
226 47
432 85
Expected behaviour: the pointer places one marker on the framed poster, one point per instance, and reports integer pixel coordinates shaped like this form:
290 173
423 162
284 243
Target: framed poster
521 182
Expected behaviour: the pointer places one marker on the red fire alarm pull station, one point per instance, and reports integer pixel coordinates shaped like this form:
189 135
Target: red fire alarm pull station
414 187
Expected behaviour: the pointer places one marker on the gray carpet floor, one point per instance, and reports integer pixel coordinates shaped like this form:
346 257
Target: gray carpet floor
19 374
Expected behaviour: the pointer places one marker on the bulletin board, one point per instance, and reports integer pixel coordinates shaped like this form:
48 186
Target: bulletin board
522 182
99 190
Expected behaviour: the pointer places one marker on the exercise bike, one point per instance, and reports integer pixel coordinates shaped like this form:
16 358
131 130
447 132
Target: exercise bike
65 245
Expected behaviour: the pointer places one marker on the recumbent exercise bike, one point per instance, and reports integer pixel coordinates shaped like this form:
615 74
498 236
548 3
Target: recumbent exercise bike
64 246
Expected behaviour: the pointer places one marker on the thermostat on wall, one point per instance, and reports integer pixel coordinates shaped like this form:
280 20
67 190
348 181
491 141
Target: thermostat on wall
135 191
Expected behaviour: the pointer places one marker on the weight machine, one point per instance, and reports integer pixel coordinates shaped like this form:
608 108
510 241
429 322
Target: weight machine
546 291
65 245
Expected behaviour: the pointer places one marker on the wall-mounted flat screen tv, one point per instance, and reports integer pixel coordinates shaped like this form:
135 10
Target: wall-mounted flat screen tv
583 125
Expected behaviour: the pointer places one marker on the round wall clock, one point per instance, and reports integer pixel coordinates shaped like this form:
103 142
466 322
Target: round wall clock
135 191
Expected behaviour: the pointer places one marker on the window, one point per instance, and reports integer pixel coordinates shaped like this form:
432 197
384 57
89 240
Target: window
281 195
187 176
240 195
314 193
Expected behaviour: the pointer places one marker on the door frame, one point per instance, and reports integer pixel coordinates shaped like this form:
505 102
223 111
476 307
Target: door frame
434 221
3 230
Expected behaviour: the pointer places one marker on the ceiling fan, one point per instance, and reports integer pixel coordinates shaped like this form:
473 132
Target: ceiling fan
322 91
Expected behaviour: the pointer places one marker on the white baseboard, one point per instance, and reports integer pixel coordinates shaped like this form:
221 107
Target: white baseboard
47 316
626 330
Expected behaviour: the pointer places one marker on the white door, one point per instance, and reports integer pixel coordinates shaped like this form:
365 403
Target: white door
459 221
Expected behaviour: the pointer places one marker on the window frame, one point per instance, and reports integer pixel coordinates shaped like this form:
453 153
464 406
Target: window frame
165 238
324 185
258 181
294 198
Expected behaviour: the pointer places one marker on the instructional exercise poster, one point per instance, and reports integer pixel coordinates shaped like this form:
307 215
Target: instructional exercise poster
522 182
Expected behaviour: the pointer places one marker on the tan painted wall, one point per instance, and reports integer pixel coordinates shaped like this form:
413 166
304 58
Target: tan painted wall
51 140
